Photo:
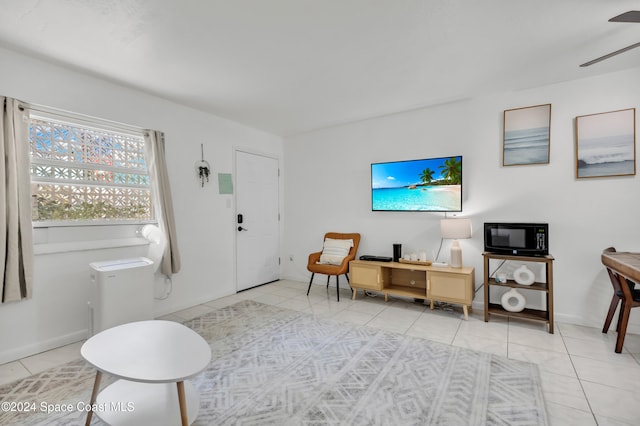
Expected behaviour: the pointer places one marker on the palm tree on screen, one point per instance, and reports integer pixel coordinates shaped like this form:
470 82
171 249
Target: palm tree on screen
452 171
427 175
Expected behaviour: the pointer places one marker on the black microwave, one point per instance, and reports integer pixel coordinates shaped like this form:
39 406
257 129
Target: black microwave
518 239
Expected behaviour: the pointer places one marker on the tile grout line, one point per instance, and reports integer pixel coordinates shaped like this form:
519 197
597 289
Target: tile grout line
25 367
575 370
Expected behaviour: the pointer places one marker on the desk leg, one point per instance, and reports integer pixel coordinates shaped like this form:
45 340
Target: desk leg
466 312
183 404
94 396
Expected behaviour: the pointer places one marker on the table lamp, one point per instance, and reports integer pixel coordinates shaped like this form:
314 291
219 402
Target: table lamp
455 229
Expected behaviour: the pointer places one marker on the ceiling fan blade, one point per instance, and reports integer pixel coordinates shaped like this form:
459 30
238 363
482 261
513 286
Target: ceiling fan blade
609 55
630 16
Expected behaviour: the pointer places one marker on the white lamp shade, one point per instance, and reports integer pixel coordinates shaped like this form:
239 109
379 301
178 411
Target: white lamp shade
455 229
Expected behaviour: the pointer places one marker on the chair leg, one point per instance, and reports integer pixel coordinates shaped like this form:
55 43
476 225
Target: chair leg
310 281
338 287
328 278
623 327
612 309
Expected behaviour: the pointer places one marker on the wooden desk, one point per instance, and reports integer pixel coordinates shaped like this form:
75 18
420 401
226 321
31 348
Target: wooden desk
625 263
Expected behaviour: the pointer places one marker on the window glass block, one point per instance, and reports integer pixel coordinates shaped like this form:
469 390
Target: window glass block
87 174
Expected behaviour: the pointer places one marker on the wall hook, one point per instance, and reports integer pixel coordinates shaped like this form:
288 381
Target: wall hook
202 167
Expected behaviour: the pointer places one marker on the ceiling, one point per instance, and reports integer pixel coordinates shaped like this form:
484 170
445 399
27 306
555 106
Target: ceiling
291 66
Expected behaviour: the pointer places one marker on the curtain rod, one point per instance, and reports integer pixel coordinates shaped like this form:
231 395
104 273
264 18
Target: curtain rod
97 122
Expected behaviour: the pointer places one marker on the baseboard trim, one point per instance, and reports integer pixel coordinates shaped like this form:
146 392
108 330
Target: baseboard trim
14 354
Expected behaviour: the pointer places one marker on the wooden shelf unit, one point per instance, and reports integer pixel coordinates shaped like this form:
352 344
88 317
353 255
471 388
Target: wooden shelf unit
544 315
433 283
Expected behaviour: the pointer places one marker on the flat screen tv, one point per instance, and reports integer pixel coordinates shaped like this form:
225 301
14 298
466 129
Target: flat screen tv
429 185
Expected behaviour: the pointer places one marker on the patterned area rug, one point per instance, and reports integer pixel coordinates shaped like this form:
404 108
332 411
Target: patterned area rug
274 366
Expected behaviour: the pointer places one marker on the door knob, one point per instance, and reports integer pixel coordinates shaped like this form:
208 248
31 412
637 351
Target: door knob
240 228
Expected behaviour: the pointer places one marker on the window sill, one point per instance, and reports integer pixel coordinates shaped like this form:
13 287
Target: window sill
68 247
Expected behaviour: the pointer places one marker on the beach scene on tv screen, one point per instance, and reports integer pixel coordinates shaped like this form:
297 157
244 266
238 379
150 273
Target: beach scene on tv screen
433 184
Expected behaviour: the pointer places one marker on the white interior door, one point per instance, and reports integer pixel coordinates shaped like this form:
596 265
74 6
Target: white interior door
257 220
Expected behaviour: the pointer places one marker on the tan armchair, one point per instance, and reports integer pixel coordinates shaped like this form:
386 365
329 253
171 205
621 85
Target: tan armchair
314 267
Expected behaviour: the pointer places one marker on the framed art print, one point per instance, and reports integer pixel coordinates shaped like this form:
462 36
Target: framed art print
606 144
526 135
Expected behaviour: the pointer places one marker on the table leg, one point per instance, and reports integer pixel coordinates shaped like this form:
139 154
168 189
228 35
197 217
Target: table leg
183 404
466 312
94 396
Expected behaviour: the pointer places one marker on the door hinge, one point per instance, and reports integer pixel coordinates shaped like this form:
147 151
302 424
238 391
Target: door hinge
278 261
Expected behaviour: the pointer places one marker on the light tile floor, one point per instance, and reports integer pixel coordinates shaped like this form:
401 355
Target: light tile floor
584 381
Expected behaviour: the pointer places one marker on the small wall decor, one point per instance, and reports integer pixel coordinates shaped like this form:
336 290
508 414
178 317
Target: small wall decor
202 167
606 144
225 183
526 137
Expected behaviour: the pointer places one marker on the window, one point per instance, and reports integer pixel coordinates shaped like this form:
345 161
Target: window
83 174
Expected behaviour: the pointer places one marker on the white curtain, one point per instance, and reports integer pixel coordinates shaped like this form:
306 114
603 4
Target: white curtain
163 203
16 248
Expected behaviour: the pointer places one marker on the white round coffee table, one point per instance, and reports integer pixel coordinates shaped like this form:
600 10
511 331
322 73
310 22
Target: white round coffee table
153 359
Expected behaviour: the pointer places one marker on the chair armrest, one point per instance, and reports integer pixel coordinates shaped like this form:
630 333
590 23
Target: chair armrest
314 257
344 266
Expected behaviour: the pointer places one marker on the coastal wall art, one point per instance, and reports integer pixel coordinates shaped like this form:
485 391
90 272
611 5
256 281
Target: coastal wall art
606 144
526 137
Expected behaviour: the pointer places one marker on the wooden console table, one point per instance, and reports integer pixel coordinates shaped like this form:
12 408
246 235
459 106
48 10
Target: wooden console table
434 283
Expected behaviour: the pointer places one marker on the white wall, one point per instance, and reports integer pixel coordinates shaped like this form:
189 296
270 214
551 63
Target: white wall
57 313
326 180
327 183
